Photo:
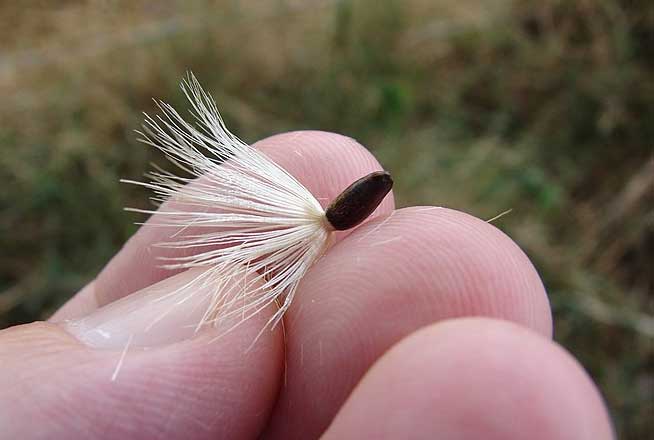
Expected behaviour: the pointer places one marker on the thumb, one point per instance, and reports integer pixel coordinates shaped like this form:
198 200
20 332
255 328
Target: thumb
137 369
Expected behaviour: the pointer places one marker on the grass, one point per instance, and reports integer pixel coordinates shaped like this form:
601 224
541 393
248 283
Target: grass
547 109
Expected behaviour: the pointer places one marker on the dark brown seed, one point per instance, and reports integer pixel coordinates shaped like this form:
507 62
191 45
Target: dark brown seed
358 200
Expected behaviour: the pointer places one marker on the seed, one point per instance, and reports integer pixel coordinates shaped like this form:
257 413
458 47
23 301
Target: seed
358 200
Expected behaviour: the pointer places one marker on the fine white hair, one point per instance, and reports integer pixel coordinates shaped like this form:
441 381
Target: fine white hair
263 227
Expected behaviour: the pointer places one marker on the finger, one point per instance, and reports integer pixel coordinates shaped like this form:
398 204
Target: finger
387 279
470 379
132 372
325 163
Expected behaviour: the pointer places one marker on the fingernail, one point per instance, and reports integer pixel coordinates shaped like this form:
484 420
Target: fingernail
161 314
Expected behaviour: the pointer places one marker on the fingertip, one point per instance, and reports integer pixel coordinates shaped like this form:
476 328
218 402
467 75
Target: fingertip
464 265
494 271
326 163
474 378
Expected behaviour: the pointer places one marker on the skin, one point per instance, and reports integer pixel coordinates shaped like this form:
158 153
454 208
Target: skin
429 323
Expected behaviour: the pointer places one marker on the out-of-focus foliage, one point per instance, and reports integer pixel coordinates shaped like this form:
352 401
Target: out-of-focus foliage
543 107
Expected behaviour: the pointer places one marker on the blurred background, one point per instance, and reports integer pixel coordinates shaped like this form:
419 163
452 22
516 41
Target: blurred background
545 108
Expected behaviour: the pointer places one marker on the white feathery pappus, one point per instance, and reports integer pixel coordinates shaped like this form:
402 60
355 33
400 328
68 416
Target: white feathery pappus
262 225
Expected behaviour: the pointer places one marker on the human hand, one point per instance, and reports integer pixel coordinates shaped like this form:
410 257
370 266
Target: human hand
426 324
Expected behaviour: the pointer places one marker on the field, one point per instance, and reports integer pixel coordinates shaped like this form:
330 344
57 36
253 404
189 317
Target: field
546 109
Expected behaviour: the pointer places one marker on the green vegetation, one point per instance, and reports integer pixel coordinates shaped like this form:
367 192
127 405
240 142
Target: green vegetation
547 109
